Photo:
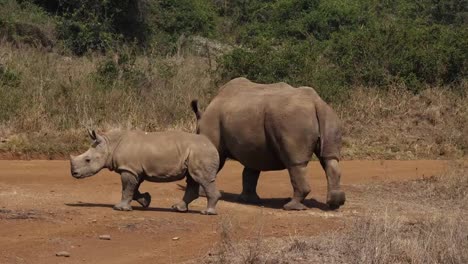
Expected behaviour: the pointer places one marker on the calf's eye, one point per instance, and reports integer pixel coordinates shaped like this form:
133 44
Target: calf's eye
88 160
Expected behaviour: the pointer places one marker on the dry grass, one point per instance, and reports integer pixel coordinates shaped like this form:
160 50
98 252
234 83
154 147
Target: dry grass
396 124
369 239
388 239
50 99
448 190
58 97
391 231
60 93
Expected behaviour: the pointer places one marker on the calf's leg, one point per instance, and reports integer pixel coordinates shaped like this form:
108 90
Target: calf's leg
222 161
129 184
142 198
205 177
191 193
213 195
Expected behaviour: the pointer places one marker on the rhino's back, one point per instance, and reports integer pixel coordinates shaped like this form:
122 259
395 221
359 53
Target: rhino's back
242 93
256 117
159 154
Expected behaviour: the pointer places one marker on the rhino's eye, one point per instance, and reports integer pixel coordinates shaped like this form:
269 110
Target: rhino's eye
88 160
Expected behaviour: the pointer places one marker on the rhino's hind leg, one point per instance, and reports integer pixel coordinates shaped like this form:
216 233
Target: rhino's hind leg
300 186
191 193
206 180
222 161
213 195
335 197
142 198
249 186
129 184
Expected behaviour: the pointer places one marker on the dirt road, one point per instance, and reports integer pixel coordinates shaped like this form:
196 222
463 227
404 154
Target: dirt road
43 210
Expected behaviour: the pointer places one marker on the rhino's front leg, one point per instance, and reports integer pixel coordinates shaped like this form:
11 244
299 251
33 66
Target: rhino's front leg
129 185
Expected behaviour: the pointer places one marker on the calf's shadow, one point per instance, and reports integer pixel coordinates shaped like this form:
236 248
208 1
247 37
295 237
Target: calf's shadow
135 208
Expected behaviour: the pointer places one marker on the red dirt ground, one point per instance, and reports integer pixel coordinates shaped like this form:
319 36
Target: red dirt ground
43 210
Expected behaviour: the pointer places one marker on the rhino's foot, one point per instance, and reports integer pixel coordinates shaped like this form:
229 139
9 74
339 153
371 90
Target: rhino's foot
144 200
122 207
180 207
336 199
209 211
249 198
294 205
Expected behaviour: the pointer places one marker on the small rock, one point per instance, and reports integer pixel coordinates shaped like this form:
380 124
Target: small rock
105 237
62 254
175 238
94 221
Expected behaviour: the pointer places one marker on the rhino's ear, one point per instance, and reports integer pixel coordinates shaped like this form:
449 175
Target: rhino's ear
92 134
99 139
195 109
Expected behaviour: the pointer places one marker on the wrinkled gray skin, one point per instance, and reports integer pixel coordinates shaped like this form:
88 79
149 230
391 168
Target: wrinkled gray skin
154 157
274 127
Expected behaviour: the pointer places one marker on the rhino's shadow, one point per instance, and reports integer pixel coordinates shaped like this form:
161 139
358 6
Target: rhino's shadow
135 208
274 203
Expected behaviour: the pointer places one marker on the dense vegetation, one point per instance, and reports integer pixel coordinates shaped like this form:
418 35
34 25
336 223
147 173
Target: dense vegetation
331 44
337 44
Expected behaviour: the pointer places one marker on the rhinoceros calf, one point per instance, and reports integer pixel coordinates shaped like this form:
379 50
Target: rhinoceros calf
154 157
273 127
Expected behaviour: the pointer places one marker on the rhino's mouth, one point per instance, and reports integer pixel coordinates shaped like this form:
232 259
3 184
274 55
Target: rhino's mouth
81 175
77 175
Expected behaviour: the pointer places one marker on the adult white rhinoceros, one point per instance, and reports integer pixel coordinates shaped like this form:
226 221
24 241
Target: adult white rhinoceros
273 127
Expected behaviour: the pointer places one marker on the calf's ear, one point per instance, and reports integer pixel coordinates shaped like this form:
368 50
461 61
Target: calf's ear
92 134
99 139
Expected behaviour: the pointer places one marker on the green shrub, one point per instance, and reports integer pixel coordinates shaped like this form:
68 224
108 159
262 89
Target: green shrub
333 45
24 23
96 25
87 27
10 94
9 77
296 64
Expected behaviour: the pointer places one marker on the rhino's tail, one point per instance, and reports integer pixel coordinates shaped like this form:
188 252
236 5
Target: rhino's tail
330 130
195 109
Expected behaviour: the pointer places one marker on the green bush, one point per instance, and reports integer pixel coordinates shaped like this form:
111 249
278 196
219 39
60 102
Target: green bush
25 23
328 44
333 44
9 92
8 77
87 26
296 64
97 25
